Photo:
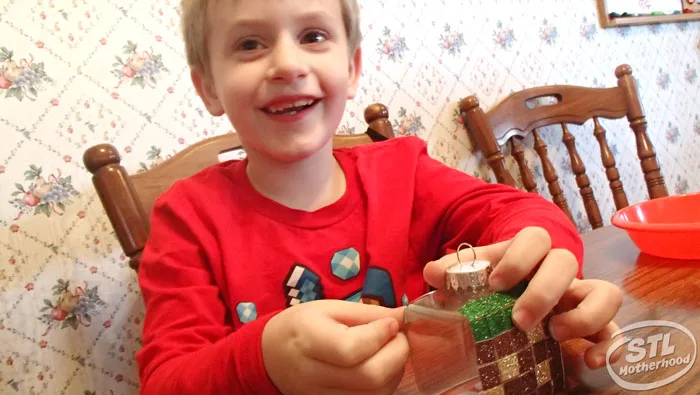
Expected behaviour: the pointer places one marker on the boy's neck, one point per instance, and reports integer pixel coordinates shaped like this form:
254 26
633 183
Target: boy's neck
308 184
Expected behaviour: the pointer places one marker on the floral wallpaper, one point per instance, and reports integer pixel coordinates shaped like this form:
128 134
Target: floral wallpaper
78 73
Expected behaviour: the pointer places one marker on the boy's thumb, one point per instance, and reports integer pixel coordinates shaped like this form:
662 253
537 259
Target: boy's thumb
353 314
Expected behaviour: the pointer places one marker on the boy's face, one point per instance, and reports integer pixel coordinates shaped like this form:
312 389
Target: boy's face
281 71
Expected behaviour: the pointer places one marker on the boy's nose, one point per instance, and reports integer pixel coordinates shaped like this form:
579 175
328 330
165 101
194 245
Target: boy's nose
287 62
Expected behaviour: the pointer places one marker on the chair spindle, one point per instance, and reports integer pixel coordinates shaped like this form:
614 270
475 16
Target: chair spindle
584 184
525 173
606 156
550 175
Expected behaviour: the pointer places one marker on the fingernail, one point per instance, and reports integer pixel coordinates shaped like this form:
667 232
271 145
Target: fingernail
559 332
523 318
599 361
393 327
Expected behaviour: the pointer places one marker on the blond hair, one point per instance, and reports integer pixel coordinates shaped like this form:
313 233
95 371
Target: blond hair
195 29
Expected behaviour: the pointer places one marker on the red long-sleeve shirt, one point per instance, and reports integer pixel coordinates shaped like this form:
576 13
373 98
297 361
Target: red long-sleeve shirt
222 259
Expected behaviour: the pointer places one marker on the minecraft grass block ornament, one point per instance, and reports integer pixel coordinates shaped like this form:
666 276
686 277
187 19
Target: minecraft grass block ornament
511 361
464 336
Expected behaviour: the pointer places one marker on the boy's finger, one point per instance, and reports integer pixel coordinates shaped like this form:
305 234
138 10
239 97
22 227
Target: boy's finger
434 271
525 252
381 368
595 356
470 387
605 334
545 289
600 301
345 346
388 389
380 371
353 314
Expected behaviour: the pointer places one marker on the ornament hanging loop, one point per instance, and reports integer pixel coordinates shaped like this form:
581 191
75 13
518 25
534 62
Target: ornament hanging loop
469 280
462 245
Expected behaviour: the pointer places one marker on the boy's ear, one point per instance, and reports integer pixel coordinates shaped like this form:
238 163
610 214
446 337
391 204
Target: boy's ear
355 72
205 89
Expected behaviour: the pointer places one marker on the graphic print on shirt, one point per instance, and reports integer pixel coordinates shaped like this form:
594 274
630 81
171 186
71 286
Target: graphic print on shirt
302 285
345 264
404 300
354 297
246 312
378 288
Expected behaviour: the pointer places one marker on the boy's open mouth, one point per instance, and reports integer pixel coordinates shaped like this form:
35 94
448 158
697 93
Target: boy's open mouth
292 108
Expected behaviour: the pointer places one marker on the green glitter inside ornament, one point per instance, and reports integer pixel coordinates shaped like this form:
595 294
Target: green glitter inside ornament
490 315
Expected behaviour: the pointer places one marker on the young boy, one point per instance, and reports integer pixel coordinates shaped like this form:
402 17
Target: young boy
253 268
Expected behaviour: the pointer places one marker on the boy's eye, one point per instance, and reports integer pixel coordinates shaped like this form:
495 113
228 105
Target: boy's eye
313 37
250 45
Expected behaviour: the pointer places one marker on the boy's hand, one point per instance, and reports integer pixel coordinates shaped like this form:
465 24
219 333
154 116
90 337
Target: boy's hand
583 308
335 347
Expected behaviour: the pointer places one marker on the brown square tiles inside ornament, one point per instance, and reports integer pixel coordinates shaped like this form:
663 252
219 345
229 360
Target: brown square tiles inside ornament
512 361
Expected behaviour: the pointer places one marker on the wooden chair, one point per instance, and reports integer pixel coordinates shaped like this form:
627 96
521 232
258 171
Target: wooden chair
515 117
128 199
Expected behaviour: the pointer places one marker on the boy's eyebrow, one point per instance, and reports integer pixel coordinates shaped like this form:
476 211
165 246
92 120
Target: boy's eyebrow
314 16
245 22
251 23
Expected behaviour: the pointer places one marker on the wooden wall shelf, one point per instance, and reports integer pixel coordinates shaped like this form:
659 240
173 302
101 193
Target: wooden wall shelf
607 22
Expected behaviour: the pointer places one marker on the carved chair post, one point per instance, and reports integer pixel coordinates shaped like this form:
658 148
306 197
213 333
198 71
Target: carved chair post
645 149
476 122
377 118
123 208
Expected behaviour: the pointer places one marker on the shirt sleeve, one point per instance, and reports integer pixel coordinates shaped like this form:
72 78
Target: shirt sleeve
189 345
463 208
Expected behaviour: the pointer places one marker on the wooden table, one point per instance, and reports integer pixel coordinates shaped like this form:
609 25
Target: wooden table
654 289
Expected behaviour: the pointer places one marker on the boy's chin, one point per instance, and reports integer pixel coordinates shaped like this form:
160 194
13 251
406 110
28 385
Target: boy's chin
297 152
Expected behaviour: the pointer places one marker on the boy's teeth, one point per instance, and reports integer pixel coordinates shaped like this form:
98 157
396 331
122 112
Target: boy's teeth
297 104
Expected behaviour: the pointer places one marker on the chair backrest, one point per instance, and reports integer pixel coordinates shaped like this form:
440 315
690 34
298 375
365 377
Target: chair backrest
516 116
128 199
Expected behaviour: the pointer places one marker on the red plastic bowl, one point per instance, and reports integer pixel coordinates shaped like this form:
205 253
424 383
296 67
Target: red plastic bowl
668 227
